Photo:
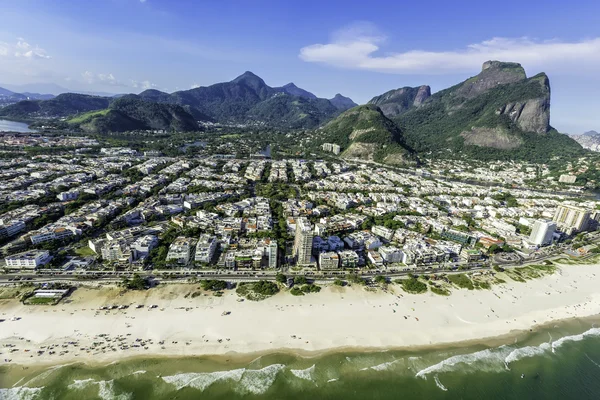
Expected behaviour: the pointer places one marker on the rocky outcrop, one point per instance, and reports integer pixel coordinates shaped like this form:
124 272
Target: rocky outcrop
398 101
531 115
491 137
493 73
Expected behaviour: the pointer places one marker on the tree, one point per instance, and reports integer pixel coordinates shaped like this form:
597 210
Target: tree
213 284
300 280
135 283
380 279
281 278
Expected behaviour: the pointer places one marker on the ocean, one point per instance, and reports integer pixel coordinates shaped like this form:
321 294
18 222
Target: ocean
557 362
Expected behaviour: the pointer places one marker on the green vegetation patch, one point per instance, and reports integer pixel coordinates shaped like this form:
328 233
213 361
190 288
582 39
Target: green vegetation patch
412 285
256 291
462 281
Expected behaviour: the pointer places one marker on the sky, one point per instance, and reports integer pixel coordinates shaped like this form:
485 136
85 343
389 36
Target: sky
357 48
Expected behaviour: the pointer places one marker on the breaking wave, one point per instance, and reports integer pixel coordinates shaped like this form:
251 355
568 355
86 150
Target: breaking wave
80 384
575 338
202 380
20 393
486 360
497 358
106 389
306 374
256 381
525 352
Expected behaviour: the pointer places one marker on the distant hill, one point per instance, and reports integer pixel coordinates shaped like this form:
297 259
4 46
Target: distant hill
132 113
63 105
364 132
8 97
589 140
294 90
342 103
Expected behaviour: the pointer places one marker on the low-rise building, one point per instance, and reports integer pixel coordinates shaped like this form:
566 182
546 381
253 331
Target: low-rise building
180 250
205 249
28 260
329 260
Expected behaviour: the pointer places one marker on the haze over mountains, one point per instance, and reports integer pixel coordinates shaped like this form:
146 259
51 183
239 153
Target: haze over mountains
499 113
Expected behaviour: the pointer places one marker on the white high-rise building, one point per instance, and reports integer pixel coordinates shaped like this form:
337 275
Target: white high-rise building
571 219
303 241
272 253
541 232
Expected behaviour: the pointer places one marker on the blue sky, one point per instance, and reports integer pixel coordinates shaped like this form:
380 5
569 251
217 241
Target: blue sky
356 48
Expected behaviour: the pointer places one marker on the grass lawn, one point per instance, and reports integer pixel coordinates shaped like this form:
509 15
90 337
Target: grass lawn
84 251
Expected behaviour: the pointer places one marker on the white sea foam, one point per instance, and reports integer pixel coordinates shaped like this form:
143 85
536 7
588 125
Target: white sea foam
20 393
306 374
439 384
487 360
106 391
258 381
381 367
139 372
332 380
526 352
202 380
575 338
79 384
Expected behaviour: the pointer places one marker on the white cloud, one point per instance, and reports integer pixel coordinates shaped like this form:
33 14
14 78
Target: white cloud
194 86
142 1
107 79
143 85
22 49
357 48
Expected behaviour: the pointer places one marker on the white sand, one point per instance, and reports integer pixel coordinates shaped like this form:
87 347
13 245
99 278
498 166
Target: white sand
334 318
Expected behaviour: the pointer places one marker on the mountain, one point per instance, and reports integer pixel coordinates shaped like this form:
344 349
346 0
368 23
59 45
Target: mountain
342 103
364 132
63 105
248 99
294 90
132 113
589 140
8 97
499 113
398 101
49 88
292 111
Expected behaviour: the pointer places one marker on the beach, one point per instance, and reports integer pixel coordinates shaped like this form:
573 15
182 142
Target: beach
337 318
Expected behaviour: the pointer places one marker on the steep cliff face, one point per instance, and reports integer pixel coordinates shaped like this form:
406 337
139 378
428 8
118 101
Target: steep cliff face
531 115
398 101
493 73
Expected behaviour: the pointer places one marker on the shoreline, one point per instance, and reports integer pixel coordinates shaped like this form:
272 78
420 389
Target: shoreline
285 322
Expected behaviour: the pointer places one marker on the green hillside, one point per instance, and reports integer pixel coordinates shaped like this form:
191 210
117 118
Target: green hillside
364 132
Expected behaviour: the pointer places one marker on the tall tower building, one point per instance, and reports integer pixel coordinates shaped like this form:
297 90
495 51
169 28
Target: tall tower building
272 254
303 241
541 232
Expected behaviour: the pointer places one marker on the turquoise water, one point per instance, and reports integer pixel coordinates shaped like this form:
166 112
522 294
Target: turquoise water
12 126
562 362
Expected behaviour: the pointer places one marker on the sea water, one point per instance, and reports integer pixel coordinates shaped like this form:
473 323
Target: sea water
558 362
